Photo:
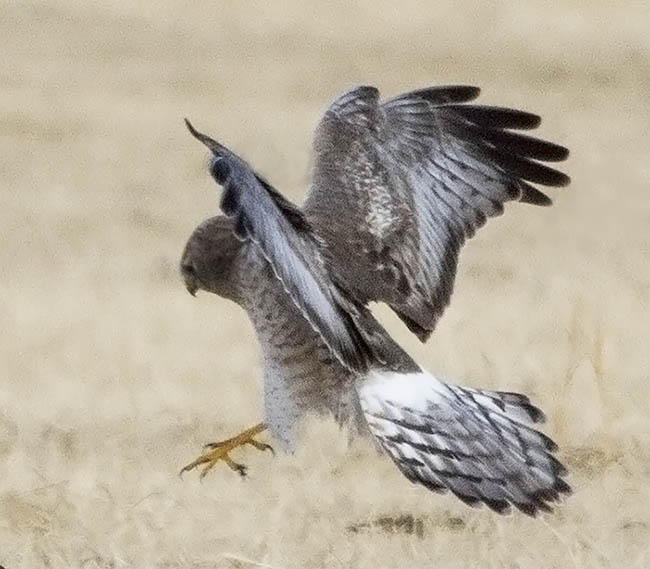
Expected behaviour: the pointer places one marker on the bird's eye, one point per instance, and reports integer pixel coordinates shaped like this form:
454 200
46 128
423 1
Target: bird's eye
188 269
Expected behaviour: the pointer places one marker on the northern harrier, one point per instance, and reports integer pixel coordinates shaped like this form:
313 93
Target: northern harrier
397 188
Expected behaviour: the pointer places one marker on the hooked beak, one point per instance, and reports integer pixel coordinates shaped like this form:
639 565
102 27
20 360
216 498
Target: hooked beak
191 288
189 276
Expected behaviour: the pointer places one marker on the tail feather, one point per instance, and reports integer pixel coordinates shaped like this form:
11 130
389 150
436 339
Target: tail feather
514 405
480 445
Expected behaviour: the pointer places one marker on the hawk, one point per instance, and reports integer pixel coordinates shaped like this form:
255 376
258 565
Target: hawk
397 187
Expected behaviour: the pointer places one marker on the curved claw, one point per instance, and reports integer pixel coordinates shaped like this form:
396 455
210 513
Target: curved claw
261 446
241 469
191 466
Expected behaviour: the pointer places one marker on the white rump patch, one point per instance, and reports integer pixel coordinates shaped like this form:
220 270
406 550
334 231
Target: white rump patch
417 391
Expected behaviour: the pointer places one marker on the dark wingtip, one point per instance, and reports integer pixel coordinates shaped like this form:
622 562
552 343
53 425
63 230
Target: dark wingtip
213 145
189 126
532 195
468 92
556 153
195 133
447 94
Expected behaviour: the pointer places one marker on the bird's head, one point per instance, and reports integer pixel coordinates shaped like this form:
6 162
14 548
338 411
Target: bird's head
207 261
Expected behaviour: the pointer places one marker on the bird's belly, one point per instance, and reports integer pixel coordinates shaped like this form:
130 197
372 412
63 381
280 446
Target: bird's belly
309 373
301 375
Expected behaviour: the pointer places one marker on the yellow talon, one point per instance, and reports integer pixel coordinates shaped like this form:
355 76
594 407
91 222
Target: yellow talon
220 451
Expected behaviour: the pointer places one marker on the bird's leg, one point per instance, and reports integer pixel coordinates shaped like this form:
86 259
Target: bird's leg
214 452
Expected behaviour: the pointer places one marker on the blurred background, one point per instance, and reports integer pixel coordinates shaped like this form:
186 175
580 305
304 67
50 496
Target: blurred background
112 376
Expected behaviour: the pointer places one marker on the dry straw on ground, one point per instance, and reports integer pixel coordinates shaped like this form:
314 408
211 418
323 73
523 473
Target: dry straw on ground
112 376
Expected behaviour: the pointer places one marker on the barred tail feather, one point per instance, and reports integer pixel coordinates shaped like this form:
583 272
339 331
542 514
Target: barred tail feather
480 445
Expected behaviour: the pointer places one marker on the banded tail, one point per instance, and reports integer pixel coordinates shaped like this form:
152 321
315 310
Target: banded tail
480 445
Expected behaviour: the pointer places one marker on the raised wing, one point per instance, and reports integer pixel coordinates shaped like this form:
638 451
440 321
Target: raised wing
398 187
285 239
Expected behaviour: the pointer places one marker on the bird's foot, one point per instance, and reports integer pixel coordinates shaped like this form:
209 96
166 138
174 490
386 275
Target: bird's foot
214 452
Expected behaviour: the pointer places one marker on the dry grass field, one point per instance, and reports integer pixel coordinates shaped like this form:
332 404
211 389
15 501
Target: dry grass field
112 376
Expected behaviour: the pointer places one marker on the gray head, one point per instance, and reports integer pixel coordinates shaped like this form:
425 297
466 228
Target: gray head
208 258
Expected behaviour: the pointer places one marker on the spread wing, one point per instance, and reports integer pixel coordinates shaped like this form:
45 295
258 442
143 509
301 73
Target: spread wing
399 186
285 239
